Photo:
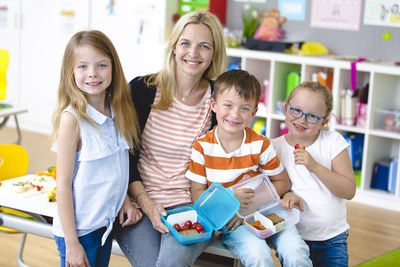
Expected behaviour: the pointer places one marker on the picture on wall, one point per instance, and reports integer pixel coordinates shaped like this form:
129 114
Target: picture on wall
382 13
336 14
293 9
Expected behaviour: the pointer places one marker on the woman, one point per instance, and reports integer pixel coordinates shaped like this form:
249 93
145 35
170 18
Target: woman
173 107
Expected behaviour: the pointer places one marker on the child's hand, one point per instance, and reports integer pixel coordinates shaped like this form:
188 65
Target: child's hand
302 157
244 196
289 200
233 223
75 255
129 214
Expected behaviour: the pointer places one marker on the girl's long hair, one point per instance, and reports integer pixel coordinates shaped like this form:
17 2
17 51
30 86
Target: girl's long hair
118 93
165 79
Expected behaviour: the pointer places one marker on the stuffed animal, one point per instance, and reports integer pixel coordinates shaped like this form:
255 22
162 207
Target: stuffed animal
269 29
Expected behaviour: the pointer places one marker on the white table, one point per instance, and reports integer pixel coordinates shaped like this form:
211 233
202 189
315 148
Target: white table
32 203
6 113
38 204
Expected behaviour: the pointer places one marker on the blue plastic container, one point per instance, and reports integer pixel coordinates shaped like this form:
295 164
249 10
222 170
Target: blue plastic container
214 208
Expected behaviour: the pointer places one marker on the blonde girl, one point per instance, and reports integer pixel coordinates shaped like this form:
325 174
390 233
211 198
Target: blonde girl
95 125
320 169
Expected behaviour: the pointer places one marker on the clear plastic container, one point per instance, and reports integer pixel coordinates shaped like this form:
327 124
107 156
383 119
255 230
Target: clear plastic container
214 208
388 120
265 202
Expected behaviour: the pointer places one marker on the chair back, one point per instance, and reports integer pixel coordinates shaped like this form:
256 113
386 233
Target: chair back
14 161
4 59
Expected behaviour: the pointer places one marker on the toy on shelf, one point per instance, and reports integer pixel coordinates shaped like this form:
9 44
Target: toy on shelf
313 48
270 26
259 126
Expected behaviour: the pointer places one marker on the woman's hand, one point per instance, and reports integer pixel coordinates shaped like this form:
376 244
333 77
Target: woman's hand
233 223
75 255
154 211
289 200
130 212
244 196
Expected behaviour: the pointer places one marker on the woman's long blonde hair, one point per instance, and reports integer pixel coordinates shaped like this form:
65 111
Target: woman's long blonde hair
118 93
165 80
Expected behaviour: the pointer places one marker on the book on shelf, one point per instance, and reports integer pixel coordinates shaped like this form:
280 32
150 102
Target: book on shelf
384 175
393 169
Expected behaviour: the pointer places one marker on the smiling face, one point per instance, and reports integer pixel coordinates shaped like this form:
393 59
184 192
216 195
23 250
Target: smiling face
92 71
194 50
308 102
233 112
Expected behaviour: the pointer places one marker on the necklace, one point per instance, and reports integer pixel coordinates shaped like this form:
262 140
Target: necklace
190 94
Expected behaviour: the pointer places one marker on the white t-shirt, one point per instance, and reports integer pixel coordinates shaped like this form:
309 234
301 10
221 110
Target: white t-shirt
324 213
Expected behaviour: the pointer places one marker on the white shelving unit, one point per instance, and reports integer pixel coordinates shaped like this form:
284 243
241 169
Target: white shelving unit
384 93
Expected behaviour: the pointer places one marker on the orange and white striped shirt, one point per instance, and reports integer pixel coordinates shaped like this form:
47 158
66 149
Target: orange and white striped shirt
210 163
167 141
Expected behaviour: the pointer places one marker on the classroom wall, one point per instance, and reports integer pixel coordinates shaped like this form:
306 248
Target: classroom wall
366 42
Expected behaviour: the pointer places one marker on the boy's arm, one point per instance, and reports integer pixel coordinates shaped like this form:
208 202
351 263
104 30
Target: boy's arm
196 189
281 182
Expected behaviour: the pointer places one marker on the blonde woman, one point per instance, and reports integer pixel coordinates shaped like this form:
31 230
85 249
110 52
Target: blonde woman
173 107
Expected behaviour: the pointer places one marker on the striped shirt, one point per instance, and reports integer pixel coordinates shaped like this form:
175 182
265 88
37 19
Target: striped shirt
167 140
210 163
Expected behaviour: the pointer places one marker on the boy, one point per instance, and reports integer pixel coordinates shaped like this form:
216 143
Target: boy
228 153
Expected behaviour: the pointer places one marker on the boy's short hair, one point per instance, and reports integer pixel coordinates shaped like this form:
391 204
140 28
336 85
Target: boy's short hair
245 84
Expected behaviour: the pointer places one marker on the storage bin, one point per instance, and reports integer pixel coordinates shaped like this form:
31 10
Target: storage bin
265 202
388 120
214 208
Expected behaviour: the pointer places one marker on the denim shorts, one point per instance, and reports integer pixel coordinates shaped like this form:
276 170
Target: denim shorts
331 252
97 255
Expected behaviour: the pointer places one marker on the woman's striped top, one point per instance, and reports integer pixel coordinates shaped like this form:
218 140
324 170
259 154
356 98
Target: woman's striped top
167 141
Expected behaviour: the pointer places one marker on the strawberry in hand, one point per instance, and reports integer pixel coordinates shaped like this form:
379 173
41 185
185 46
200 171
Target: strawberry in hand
298 146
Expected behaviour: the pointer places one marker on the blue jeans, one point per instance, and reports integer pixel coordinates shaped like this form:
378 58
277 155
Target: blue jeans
97 255
331 252
253 251
144 246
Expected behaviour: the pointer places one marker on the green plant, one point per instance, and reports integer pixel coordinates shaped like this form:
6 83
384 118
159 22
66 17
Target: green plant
251 21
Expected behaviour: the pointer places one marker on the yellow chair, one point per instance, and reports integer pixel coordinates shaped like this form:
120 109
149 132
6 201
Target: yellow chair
4 59
14 163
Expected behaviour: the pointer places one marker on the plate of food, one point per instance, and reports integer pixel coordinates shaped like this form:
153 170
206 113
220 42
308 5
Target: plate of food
28 185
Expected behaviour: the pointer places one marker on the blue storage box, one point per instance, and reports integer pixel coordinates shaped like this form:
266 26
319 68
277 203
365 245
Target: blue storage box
214 208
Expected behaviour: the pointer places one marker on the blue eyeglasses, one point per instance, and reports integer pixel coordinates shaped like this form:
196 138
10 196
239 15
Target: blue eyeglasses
310 117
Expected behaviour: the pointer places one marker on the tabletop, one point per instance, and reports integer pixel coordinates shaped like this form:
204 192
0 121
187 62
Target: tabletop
4 112
30 200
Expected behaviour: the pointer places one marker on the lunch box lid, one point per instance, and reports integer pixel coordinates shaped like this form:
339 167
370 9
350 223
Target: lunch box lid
216 205
265 194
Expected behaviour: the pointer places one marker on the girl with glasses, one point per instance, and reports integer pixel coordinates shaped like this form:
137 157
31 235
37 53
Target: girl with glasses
320 169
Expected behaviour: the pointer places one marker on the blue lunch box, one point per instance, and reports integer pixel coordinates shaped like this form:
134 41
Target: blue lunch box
213 209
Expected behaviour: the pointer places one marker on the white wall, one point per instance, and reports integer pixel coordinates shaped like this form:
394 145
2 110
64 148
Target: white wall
35 32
